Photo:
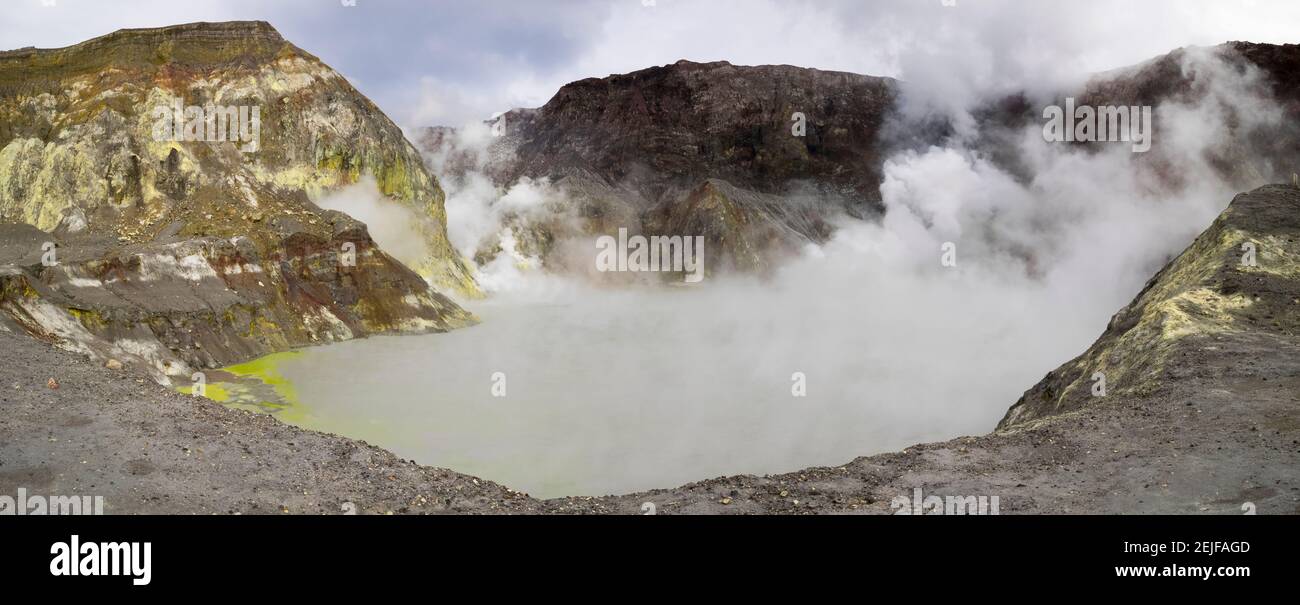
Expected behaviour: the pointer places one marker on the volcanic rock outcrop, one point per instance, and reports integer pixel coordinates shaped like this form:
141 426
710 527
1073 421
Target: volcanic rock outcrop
712 146
175 170
1240 279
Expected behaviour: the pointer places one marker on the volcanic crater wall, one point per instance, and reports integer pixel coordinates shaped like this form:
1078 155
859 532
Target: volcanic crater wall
181 252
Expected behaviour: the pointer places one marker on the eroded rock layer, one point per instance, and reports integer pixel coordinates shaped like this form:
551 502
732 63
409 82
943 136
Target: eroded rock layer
203 250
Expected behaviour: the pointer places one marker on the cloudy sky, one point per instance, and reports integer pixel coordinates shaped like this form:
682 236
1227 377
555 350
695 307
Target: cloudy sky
449 62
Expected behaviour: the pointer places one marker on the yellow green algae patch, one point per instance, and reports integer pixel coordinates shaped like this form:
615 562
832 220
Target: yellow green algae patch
256 386
267 369
215 392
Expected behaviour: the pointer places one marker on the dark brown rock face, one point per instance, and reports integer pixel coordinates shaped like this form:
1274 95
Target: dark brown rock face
667 129
660 140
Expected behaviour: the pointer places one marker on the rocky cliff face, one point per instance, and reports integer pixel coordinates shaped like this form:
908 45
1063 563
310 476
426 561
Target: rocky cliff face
177 167
1239 280
701 144
665 130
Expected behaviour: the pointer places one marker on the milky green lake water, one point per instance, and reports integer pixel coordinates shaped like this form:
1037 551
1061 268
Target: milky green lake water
622 391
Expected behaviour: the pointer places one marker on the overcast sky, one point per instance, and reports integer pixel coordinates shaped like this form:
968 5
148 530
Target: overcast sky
448 62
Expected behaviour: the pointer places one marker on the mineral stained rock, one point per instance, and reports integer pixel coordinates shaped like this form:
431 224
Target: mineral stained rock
1240 279
185 253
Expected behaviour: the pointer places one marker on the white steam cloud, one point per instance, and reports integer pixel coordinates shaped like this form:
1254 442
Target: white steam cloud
481 214
393 226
